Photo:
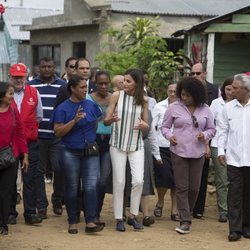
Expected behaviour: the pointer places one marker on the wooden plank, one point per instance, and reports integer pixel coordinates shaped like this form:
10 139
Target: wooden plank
241 18
227 27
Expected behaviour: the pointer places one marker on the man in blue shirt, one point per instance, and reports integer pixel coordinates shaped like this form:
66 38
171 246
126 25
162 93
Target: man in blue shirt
47 83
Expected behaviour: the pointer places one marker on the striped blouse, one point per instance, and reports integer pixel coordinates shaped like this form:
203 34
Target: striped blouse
124 136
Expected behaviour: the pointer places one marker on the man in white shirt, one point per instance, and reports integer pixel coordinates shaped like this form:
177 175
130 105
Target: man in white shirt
234 134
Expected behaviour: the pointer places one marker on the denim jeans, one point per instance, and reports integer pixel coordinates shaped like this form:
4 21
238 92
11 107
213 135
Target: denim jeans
77 167
105 171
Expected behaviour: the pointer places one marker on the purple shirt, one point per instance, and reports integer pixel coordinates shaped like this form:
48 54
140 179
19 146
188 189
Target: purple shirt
179 117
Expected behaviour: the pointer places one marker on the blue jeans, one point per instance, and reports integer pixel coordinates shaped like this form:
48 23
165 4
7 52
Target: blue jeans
77 167
105 171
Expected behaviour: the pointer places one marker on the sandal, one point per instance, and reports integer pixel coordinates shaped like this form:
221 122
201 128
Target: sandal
148 220
158 211
175 217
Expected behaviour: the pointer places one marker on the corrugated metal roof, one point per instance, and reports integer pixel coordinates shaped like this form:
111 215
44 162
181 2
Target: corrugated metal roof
177 7
16 17
4 57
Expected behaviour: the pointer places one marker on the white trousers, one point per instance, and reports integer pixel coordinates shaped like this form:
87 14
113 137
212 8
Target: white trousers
136 161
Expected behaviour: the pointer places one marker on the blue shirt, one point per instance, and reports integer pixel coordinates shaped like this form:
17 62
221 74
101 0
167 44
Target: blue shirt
101 129
48 94
85 129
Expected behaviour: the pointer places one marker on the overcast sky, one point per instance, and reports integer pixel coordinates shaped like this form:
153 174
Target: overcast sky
37 4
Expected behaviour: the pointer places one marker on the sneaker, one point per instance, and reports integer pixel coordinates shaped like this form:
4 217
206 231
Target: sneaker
120 226
183 229
33 219
133 222
223 218
48 180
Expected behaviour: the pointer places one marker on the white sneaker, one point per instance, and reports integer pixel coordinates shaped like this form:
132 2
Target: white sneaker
183 229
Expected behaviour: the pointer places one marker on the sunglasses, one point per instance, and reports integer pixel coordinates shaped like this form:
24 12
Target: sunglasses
72 66
195 73
195 122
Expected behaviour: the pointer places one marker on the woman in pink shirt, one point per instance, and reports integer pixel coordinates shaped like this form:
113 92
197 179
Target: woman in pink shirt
11 133
193 127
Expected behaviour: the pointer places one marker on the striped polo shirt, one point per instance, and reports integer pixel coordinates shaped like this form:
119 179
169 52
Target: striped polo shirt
48 94
124 136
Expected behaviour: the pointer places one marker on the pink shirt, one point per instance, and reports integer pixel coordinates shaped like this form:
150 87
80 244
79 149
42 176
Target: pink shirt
178 116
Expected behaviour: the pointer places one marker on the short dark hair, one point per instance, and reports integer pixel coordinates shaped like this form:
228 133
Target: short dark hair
68 60
73 82
102 72
195 88
138 77
227 82
3 89
46 59
79 60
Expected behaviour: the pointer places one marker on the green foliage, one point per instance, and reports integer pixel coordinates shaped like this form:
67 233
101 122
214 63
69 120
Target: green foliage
139 45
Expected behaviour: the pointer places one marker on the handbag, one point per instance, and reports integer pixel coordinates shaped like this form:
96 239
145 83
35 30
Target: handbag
91 149
7 158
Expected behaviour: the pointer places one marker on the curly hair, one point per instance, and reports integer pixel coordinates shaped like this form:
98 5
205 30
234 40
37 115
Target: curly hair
195 88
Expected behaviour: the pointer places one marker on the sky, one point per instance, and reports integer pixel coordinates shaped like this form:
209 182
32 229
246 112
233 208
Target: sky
37 4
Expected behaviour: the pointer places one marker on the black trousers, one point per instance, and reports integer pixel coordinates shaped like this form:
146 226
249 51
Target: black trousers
238 198
7 184
201 200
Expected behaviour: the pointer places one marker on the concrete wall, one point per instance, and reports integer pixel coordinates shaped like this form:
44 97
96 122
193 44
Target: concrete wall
65 37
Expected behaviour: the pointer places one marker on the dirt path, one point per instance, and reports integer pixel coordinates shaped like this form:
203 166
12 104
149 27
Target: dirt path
52 233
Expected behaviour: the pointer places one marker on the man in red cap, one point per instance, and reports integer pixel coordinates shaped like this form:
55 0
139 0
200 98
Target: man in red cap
28 102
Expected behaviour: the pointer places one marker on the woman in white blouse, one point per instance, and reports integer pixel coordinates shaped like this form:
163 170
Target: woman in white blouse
221 181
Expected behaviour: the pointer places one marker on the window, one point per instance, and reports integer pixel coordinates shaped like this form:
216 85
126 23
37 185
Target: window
175 44
79 49
52 51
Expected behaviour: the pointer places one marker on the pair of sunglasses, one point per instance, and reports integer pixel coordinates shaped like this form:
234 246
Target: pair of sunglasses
195 73
72 66
195 122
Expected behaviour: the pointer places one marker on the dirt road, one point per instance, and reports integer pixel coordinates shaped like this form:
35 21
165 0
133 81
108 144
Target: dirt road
52 233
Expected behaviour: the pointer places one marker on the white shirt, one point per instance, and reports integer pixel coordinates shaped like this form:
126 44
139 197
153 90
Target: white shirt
216 107
158 115
234 134
152 137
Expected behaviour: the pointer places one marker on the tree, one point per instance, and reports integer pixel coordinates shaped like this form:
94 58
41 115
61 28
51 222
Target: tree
140 46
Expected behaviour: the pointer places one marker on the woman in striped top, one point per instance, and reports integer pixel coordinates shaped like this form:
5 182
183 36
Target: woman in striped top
128 110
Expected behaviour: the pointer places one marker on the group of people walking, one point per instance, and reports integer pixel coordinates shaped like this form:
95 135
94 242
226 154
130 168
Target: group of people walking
88 133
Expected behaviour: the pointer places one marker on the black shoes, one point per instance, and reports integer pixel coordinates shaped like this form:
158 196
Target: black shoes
72 229
42 214
223 218
18 198
57 208
120 226
12 220
95 229
4 230
33 219
133 222
246 233
234 236
148 220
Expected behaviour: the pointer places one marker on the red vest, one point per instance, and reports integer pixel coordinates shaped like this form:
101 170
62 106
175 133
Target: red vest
28 113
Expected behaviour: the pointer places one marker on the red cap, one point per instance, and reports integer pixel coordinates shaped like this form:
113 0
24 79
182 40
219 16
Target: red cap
18 69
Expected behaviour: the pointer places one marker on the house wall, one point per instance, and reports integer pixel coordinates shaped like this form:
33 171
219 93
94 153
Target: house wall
169 24
231 55
65 37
